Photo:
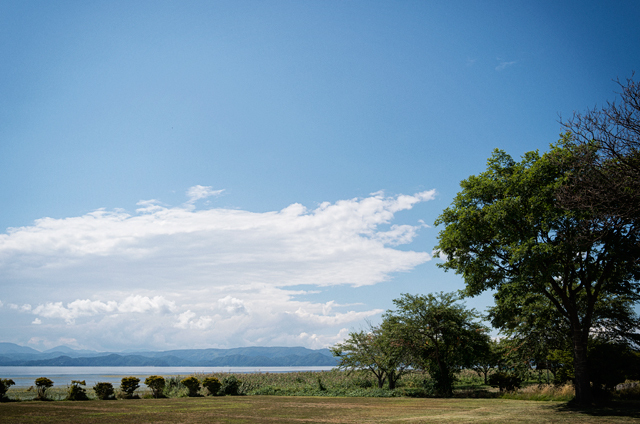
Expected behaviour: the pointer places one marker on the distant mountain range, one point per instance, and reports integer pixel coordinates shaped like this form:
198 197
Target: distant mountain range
62 356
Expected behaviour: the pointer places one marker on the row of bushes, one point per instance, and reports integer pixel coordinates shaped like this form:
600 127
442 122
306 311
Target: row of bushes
230 385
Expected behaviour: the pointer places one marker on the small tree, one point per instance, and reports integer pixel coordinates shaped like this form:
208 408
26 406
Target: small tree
378 350
487 360
441 335
156 384
193 384
128 385
104 391
5 383
42 384
76 391
213 385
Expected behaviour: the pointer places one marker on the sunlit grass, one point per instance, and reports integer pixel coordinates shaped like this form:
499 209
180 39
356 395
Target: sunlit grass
283 409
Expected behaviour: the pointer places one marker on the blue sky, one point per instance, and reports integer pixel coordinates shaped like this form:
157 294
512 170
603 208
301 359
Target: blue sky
233 173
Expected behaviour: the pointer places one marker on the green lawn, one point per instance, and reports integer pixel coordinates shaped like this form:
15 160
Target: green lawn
281 409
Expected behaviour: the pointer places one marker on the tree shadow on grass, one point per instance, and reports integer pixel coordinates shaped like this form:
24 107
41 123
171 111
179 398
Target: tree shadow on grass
629 409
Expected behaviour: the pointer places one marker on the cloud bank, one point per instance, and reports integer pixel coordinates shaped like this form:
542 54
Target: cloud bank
167 276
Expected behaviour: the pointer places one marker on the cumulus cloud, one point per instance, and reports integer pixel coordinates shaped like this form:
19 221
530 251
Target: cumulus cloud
178 273
86 307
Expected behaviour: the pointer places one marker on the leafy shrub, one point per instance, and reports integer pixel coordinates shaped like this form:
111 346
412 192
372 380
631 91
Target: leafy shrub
76 392
504 381
128 385
193 384
42 384
213 385
363 383
104 391
5 383
231 385
321 386
156 384
173 387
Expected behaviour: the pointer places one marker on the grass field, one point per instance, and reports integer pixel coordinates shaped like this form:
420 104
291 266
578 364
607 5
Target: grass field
284 409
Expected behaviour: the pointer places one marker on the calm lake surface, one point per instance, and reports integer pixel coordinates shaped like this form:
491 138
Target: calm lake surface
61 376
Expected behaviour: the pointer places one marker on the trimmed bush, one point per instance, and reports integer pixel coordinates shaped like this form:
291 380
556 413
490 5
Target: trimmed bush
42 384
128 385
5 383
231 385
156 384
104 391
213 385
193 384
76 392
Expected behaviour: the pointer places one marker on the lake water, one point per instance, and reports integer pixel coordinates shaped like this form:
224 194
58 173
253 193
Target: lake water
61 376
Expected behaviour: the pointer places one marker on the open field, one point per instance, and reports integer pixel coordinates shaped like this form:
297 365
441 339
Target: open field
282 409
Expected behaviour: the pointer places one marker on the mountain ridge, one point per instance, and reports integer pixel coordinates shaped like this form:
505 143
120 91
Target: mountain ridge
253 356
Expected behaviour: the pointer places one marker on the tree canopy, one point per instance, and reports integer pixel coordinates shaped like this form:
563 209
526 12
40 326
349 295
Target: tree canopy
441 334
377 350
507 231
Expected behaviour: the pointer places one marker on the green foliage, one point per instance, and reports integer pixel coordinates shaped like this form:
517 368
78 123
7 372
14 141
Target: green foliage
506 382
231 385
173 387
128 385
213 385
104 391
5 383
487 358
156 384
76 391
378 350
193 384
441 335
42 384
506 231
561 361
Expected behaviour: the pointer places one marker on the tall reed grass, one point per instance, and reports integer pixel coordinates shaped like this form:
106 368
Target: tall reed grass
544 392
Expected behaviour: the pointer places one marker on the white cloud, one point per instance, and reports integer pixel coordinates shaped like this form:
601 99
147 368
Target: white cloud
337 318
185 320
36 321
232 305
198 192
85 307
504 64
172 275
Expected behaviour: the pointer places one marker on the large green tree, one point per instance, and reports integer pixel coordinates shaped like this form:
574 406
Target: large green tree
506 231
441 334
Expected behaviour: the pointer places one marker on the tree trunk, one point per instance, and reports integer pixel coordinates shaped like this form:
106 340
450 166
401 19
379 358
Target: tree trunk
392 380
582 384
445 383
